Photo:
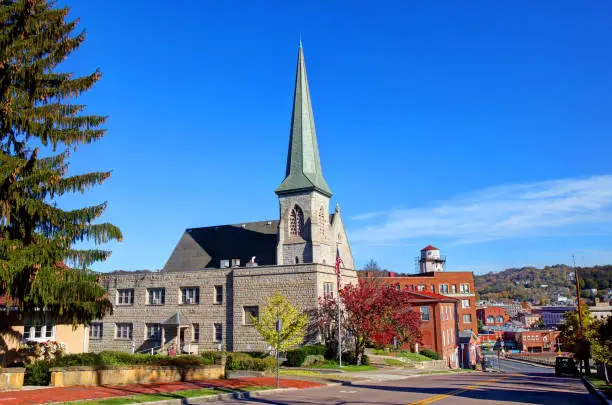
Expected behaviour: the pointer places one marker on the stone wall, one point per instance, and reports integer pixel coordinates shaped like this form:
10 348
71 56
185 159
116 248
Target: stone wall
11 378
121 375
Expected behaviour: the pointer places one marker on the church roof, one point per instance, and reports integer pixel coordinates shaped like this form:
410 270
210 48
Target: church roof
201 248
303 162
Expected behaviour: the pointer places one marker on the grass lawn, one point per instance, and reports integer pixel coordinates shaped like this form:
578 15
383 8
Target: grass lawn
332 364
137 399
298 372
416 357
394 362
601 385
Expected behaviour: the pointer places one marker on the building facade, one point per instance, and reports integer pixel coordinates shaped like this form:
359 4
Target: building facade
438 324
458 285
492 316
218 278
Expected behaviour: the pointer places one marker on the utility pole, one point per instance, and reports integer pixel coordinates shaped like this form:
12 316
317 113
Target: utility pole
578 304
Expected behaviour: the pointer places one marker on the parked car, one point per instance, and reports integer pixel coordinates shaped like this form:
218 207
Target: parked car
565 366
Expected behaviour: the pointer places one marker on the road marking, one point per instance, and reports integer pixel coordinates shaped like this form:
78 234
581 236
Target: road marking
348 392
439 397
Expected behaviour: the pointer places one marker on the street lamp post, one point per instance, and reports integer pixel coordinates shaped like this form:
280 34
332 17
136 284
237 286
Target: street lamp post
279 327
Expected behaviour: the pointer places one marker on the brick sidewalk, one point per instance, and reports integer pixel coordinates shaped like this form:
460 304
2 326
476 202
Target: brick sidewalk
61 394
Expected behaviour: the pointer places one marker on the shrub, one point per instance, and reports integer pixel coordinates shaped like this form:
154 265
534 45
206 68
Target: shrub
38 373
313 360
211 357
350 358
430 353
83 359
297 357
244 361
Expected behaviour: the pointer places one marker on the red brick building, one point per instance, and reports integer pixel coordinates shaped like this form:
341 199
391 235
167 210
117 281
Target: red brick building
439 324
492 316
458 285
537 341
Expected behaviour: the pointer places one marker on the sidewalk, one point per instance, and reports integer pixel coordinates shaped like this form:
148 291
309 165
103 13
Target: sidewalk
64 394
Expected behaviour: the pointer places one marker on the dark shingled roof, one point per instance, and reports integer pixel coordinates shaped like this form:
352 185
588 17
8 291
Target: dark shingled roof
201 248
176 320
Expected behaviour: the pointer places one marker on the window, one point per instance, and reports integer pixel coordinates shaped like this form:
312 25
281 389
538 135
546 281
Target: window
154 331
218 294
490 319
124 331
322 223
125 296
467 318
190 295
465 303
500 319
96 330
454 288
157 296
296 221
464 288
421 287
297 260
224 263
328 290
443 288
249 314
443 338
196 332
218 332
36 330
235 262
397 287
424 313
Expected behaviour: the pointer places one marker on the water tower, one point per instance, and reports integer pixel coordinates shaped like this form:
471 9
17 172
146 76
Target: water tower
431 260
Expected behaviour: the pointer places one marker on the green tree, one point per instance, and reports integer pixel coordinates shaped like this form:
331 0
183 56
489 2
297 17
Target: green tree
40 123
293 323
578 340
602 347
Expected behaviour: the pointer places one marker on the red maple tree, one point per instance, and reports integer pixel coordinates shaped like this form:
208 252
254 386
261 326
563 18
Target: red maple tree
378 312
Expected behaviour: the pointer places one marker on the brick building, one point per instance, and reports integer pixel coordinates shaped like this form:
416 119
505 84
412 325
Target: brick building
492 316
439 324
458 285
218 277
537 341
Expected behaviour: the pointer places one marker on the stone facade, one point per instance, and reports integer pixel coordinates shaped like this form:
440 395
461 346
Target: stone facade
242 287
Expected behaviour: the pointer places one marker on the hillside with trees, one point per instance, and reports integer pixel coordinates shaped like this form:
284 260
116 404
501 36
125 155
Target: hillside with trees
543 285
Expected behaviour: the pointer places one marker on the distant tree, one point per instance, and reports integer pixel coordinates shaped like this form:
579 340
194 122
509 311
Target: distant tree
371 265
40 124
293 323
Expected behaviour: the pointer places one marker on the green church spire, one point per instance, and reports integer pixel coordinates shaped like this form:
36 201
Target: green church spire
303 164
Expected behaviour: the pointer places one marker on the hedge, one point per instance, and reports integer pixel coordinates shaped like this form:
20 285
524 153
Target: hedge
245 361
430 353
297 357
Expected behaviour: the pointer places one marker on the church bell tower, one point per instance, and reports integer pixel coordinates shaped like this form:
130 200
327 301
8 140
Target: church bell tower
304 194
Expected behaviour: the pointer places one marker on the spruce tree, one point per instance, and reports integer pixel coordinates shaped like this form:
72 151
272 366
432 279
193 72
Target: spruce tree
40 124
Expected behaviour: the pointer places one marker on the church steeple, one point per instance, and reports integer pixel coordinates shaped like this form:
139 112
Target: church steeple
303 163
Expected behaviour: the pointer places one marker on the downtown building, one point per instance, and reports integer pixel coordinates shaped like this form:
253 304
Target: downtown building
218 277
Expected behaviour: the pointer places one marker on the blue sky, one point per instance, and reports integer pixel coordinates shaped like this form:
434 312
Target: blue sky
482 128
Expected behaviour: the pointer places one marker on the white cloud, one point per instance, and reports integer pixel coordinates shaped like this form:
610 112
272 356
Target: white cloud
541 208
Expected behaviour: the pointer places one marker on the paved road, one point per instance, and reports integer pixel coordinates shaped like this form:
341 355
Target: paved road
508 366
448 389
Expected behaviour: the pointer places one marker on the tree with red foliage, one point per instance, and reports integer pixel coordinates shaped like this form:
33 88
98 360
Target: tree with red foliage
378 312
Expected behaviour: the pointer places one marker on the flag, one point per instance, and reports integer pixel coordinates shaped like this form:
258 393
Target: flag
338 263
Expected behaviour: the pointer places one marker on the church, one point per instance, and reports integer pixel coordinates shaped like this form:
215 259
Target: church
217 277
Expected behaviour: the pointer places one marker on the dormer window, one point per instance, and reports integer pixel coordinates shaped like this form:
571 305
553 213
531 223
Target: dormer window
224 264
235 262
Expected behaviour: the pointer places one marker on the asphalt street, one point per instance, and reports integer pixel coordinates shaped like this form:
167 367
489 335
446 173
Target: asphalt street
535 386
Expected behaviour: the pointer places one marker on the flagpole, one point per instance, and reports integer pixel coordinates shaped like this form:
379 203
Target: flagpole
339 312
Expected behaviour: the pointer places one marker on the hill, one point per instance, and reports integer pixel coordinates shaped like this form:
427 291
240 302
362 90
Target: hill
543 285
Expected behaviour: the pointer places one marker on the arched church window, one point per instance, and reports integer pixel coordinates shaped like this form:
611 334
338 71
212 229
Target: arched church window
296 221
322 223
297 260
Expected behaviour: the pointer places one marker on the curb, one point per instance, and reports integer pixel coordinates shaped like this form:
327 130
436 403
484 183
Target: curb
230 395
600 395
